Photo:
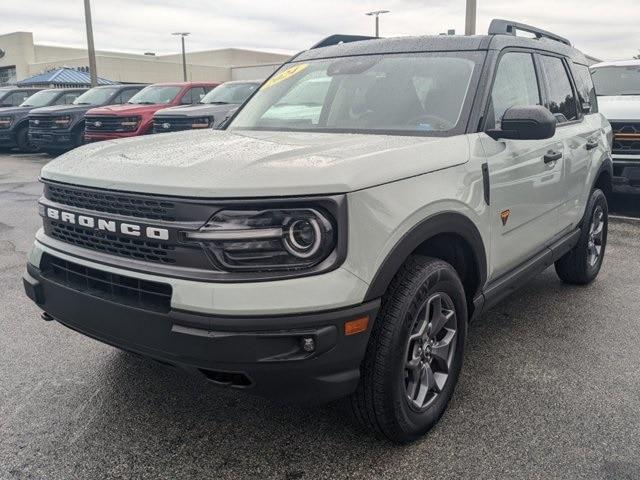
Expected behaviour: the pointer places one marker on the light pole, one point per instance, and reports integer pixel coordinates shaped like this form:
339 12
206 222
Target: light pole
377 14
90 47
184 55
470 19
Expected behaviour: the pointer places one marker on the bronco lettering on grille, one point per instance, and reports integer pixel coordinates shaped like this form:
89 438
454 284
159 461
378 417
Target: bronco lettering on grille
129 229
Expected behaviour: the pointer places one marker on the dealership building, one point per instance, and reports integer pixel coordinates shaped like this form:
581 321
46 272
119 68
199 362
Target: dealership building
21 58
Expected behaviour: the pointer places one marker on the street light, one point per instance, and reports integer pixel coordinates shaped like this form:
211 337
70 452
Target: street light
184 56
377 14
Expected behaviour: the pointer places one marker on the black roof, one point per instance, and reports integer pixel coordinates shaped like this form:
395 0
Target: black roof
433 43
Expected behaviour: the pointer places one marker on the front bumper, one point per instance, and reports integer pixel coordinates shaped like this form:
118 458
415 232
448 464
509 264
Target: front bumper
263 354
101 136
52 139
7 138
626 174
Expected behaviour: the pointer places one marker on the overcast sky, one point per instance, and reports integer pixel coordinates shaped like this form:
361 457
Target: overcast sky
607 29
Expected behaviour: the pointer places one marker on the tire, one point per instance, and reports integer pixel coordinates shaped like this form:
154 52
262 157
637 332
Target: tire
582 264
22 140
397 397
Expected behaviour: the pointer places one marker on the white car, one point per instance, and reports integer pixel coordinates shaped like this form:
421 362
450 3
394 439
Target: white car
618 89
340 253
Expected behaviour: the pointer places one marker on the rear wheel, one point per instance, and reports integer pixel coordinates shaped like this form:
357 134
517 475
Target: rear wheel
415 352
23 142
582 264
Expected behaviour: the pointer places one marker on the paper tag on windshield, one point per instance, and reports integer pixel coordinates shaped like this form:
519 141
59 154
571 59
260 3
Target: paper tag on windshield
284 75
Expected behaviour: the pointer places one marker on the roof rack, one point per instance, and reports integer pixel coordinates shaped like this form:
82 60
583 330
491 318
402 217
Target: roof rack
338 38
507 27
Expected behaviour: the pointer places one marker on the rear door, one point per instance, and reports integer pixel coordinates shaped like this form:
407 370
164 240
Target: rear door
525 185
578 134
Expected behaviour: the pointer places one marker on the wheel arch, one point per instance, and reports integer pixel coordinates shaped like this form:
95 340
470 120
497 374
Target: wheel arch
604 177
449 236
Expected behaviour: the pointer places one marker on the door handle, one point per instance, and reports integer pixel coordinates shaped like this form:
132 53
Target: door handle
592 143
552 156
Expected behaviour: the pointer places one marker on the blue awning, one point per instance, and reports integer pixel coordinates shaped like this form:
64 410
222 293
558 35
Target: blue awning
63 77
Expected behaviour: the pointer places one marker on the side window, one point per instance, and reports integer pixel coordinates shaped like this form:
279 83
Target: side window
561 101
67 98
194 95
124 96
515 84
16 98
584 85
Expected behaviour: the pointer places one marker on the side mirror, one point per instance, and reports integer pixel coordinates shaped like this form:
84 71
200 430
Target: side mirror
586 107
525 123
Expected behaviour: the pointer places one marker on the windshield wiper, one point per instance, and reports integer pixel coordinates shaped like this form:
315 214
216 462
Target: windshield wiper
218 103
144 103
83 103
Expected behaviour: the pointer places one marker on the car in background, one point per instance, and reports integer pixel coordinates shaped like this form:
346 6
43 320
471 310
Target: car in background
136 116
618 90
61 127
210 112
14 123
14 96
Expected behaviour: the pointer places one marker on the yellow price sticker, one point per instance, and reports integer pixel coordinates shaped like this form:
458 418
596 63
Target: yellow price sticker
284 75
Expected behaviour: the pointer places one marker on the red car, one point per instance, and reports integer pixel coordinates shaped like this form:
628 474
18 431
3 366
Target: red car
136 116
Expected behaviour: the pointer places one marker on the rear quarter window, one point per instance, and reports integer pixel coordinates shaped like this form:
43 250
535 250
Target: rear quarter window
584 85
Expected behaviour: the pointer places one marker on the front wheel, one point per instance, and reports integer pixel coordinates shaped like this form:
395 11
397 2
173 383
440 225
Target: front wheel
582 264
415 352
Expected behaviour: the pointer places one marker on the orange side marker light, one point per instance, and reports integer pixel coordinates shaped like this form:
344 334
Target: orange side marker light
358 325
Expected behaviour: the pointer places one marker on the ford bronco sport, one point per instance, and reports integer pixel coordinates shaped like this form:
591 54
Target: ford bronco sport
618 89
337 251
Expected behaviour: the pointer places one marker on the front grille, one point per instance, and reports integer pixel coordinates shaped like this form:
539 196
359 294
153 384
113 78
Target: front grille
103 124
138 206
41 123
120 289
626 138
144 250
171 124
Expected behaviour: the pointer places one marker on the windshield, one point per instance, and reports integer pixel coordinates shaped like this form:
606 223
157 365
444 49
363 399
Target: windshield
95 96
156 94
617 80
234 93
41 99
402 93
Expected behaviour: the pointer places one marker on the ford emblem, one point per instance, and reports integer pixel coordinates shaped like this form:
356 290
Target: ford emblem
166 126
37 122
97 124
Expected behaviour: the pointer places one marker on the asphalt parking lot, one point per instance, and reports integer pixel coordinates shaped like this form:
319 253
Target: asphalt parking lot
550 389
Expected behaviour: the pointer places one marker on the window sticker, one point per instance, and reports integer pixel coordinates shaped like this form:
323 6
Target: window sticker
284 75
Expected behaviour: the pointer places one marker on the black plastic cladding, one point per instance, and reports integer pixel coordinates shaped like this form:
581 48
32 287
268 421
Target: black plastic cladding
192 213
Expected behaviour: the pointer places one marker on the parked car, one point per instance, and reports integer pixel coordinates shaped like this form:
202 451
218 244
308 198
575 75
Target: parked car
618 89
61 127
313 258
14 96
14 123
136 116
209 112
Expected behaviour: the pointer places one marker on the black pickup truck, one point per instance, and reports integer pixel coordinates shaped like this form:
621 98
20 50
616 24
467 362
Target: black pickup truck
14 123
61 127
14 96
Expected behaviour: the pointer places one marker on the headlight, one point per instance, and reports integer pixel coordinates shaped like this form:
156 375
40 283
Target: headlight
203 122
61 122
267 240
129 124
5 122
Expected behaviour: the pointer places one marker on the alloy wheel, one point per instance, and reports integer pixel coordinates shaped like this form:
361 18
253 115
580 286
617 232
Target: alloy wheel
596 235
430 351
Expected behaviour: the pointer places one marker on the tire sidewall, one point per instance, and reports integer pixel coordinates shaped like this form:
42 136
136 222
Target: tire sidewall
597 199
446 281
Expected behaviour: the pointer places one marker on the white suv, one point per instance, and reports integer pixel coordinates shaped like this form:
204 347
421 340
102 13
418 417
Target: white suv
618 89
338 248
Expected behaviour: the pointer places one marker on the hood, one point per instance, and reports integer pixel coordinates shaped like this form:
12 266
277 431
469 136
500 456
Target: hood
196 110
623 107
15 110
126 109
225 164
61 109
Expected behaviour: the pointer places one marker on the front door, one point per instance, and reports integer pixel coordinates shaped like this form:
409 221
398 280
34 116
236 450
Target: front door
525 176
